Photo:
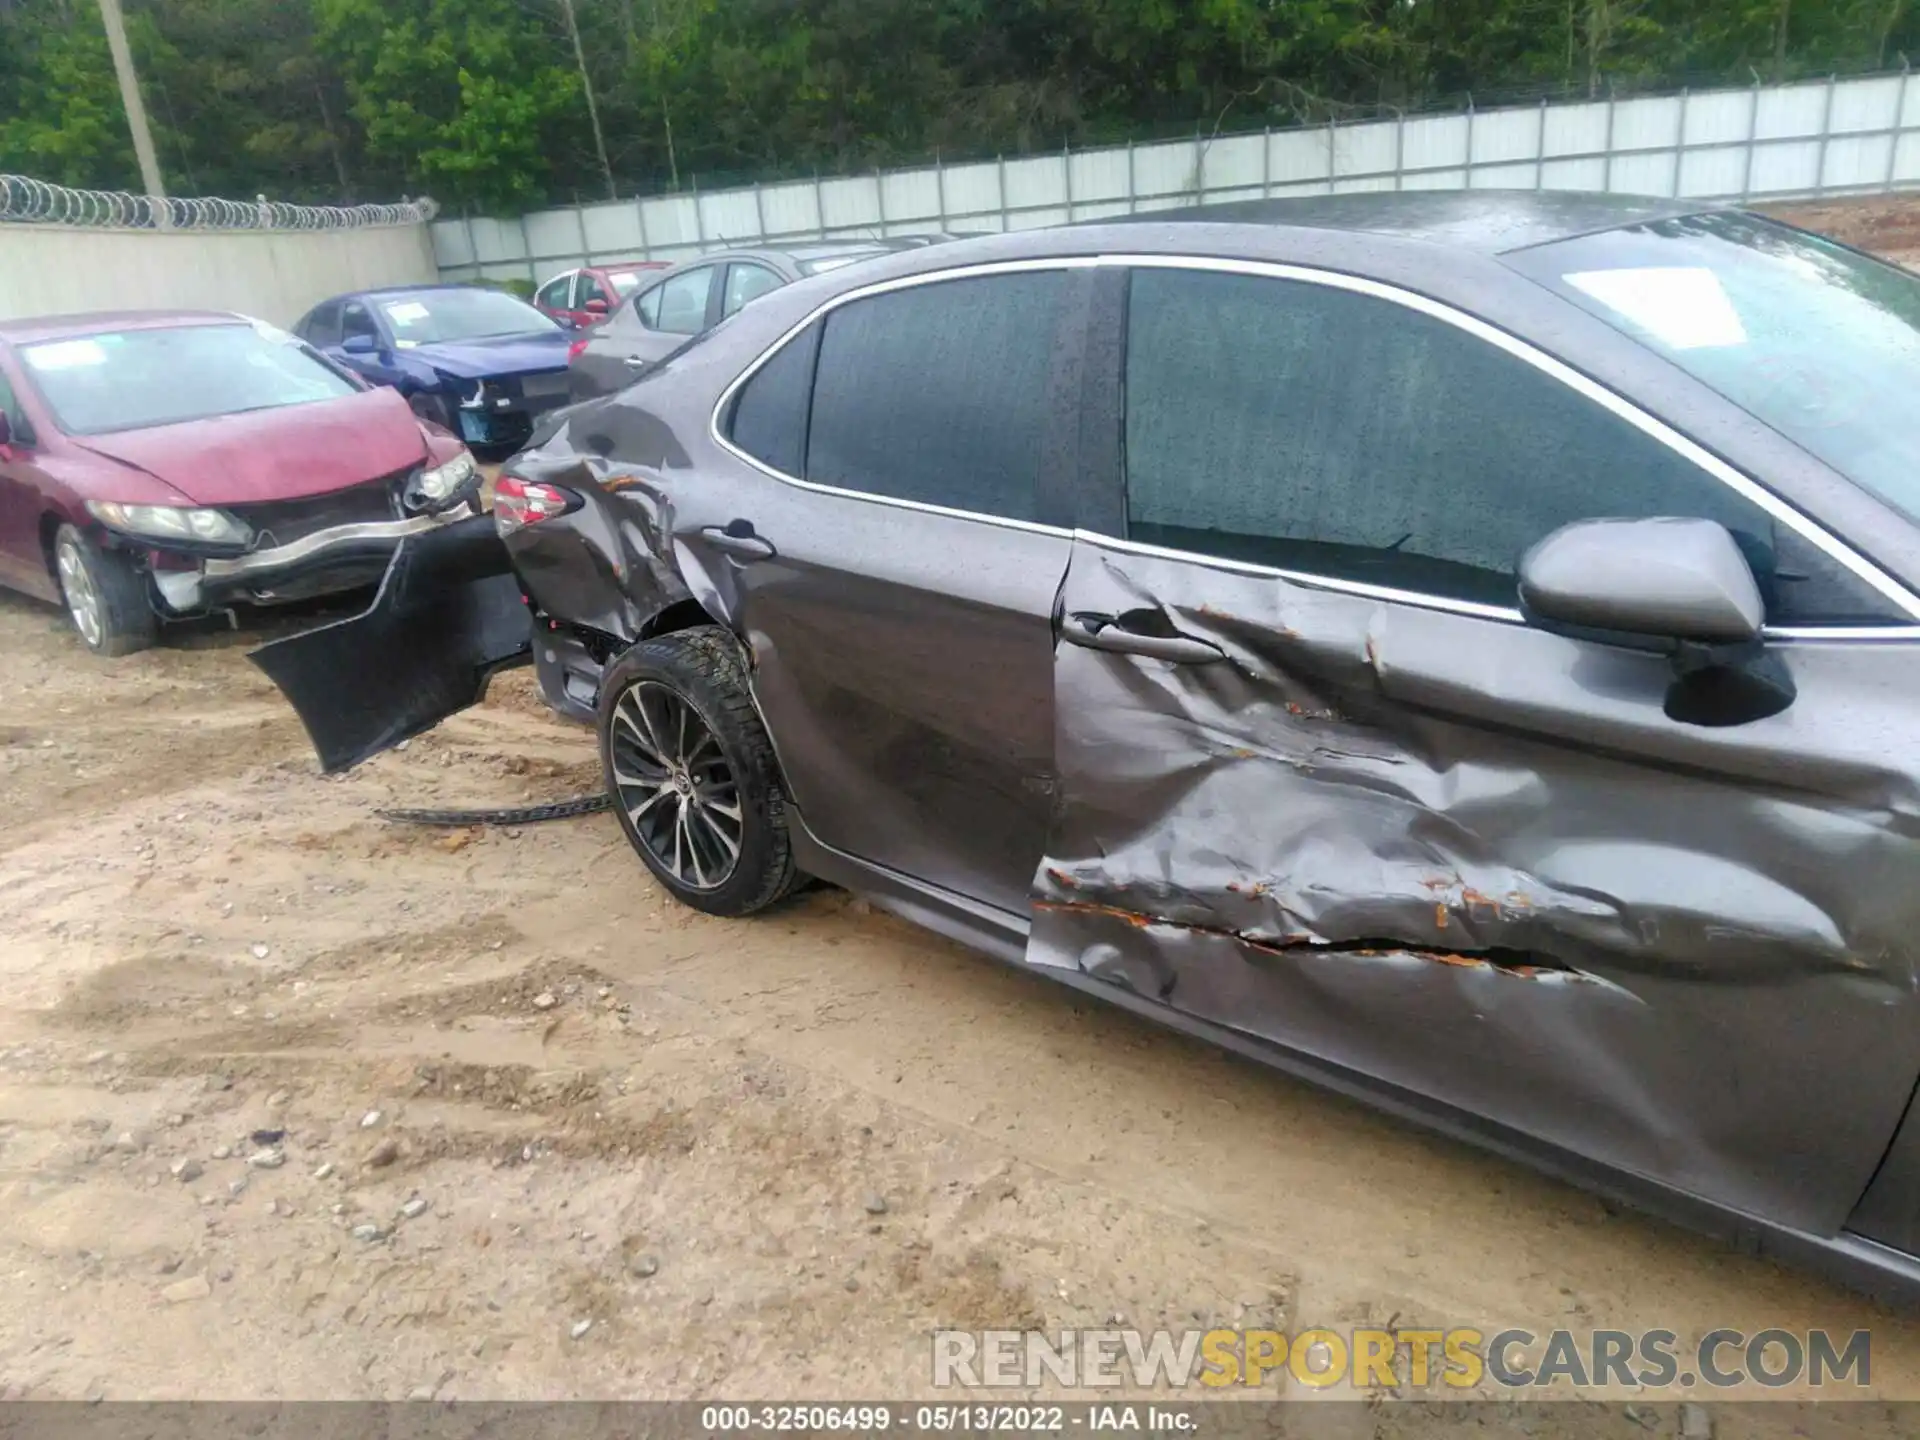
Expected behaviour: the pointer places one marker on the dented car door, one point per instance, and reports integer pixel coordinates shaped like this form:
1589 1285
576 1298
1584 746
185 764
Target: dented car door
1324 787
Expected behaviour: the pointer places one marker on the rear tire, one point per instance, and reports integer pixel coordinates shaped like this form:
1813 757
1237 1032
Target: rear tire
694 781
105 596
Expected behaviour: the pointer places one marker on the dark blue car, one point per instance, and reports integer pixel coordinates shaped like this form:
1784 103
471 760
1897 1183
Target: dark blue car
480 362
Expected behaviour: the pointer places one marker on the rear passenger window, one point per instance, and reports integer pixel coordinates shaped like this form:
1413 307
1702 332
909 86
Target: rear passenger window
1317 430
770 412
679 306
938 393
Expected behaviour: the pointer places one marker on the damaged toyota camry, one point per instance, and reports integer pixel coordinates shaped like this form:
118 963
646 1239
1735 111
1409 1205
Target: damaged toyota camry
1454 648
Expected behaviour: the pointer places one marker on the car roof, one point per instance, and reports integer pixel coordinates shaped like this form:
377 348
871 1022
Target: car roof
1486 221
61 327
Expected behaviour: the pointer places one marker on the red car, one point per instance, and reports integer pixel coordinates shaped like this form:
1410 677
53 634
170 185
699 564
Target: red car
583 298
158 466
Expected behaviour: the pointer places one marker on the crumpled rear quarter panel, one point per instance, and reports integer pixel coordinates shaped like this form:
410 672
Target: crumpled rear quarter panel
1475 860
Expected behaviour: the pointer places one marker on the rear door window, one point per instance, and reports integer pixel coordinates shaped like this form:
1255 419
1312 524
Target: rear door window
678 306
769 419
746 281
939 393
1316 430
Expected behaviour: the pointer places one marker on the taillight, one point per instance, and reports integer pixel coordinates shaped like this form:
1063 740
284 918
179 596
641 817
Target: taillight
576 349
518 503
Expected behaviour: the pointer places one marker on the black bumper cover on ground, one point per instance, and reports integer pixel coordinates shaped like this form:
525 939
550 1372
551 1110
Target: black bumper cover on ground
449 614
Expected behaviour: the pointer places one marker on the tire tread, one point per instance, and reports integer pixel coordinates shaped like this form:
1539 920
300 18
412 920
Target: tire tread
708 662
131 625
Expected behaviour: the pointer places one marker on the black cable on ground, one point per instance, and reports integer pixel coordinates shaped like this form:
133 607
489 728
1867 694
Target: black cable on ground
512 815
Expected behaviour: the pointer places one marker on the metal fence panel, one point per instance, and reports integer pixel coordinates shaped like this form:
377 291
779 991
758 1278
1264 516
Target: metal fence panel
973 191
612 232
1099 175
1788 141
791 209
911 201
672 221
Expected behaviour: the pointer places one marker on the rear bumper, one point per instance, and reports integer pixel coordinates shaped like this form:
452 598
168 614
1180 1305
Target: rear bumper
344 557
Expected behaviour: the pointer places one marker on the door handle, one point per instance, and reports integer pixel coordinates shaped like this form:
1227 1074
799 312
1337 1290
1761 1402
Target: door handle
738 540
1103 632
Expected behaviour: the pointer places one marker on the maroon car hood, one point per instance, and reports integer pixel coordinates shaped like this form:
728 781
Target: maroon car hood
275 454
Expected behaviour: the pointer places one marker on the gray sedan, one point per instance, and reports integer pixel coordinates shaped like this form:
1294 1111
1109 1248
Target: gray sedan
1462 649
694 297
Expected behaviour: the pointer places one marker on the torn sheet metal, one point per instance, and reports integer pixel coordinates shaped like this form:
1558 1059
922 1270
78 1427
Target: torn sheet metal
1477 861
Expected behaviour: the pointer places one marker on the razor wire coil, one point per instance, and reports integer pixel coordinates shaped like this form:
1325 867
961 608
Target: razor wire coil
24 200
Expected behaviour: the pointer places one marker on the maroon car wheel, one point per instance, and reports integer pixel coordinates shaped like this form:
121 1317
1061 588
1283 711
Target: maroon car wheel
106 597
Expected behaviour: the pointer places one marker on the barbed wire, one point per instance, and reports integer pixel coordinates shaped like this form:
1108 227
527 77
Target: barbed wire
38 202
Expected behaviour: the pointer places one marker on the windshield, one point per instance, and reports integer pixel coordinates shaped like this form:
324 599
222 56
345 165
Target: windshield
1817 341
427 316
129 380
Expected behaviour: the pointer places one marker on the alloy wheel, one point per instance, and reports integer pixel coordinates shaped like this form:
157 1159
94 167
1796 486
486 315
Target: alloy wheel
673 781
83 599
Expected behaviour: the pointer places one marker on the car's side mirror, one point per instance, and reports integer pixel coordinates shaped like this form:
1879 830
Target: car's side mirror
1682 587
1667 580
360 345
595 307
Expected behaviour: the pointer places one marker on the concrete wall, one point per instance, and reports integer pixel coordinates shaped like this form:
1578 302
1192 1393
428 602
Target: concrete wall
273 275
1826 137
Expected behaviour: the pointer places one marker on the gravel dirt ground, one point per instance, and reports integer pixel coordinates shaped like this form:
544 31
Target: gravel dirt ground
296 1103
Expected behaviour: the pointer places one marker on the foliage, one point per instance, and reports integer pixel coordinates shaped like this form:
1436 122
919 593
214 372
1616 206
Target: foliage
482 103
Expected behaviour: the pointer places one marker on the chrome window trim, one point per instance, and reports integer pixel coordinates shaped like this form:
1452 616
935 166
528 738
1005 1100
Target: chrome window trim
1657 429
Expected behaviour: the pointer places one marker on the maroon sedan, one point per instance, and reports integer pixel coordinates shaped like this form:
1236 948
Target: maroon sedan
583 298
158 466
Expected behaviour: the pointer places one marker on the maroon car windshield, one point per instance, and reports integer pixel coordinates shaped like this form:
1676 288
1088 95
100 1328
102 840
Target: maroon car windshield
133 379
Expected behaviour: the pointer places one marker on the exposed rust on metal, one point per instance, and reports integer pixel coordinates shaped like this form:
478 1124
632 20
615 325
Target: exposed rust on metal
1307 712
1294 944
1473 899
1087 907
1062 878
1253 890
1439 916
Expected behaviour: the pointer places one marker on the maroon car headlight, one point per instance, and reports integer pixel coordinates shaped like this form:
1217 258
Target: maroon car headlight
449 479
171 522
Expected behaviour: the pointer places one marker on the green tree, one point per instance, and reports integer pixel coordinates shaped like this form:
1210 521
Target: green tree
466 98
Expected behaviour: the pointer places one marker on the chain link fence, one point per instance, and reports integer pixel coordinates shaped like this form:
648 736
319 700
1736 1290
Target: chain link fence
28 201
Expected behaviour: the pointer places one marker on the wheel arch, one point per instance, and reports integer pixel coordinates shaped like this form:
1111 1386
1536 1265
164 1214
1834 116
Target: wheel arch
683 614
